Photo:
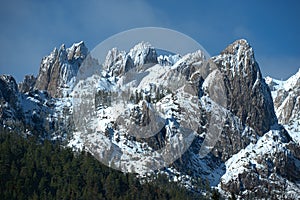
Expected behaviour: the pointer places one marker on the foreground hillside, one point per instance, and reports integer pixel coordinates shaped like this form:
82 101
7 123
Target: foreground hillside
47 171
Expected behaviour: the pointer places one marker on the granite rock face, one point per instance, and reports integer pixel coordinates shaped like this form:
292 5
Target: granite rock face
58 70
117 62
9 89
266 169
249 97
143 53
28 84
11 114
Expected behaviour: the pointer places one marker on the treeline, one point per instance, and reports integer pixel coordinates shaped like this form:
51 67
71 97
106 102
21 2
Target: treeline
44 170
104 98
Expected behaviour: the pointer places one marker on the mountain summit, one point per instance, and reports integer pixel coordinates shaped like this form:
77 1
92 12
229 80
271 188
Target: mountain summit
249 97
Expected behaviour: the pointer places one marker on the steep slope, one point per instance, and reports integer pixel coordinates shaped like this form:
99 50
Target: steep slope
249 97
10 109
30 107
274 167
117 62
266 169
33 112
27 84
286 96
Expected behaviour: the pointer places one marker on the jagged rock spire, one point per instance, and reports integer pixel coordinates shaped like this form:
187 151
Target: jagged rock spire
59 69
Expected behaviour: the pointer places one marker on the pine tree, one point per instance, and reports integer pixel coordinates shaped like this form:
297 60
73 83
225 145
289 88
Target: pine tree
232 196
47 171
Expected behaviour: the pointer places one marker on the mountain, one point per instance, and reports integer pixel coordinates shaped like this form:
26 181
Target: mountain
286 95
201 121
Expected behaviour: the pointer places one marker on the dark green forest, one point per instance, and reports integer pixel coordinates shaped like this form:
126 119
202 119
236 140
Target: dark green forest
34 169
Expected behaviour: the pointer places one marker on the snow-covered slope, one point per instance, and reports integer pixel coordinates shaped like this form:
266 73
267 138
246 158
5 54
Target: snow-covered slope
286 96
31 113
112 137
256 168
193 118
127 124
288 84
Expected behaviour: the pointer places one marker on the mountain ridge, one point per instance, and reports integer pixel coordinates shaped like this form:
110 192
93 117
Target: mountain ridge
44 105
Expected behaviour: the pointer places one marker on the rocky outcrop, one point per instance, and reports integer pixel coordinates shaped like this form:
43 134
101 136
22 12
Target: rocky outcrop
249 102
250 116
59 69
262 169
248 95
44 75
143 53
290 107
194 63
10 109
31 111
28 84
9 89
117 62
286 96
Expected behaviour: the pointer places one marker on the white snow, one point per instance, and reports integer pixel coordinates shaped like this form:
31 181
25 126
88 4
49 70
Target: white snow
138 52
291 82
239 162
289 85
285 85
168 59
76 142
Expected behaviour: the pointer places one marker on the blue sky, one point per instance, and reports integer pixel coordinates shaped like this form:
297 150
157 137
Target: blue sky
31 29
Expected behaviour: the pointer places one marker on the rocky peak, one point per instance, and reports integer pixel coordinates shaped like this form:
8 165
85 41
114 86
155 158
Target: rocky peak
27 84
286 96
58 70
237 46
191 63
47 64
143 53
77 50
62 52
248 95
10 111
8 82
8 89
117 62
